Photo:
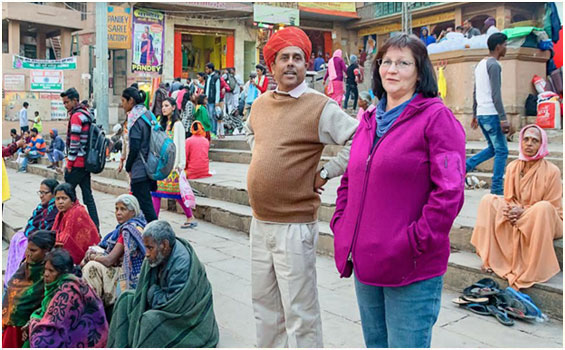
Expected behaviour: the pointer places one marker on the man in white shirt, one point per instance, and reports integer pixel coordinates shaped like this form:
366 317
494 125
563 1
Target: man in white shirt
488 112
23 118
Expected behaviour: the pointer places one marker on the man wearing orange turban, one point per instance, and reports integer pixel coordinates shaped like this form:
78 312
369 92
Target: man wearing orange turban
287 130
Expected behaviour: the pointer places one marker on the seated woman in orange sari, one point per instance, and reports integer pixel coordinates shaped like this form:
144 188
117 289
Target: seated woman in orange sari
514 235
75 229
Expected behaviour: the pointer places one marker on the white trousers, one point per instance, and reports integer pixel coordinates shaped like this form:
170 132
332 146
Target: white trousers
284 288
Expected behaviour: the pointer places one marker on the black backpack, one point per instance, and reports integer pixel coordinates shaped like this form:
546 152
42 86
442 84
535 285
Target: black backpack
97 144
232 82
531 105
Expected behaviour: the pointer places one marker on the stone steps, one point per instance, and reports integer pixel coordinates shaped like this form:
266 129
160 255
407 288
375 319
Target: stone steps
226 204
236 150
235 192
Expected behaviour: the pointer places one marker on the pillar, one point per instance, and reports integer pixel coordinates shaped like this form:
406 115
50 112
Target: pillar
41 46
458 17
503 17
169 54
66 39
14 37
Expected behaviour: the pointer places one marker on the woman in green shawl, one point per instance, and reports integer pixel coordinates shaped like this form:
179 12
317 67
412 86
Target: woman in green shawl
25 289
71 314
201 114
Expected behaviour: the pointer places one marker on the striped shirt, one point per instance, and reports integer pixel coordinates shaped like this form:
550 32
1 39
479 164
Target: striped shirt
77 136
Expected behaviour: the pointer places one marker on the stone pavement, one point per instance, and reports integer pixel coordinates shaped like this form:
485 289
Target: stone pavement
225 253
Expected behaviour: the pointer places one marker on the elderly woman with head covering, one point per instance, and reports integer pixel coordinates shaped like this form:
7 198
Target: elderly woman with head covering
115 266
75 229
514 234
353 77
71 314
25 289
336 71
364 102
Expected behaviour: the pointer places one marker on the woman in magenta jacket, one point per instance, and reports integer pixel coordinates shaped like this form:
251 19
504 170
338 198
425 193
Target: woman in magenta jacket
399 197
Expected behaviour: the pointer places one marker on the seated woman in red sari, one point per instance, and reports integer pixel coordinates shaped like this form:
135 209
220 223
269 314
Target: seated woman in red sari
25 289
71 314
75 229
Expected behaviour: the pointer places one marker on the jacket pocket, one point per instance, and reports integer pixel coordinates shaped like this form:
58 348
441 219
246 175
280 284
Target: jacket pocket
385 256
451 170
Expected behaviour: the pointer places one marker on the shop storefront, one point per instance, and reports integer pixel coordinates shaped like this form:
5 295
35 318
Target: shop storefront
321 41
196 46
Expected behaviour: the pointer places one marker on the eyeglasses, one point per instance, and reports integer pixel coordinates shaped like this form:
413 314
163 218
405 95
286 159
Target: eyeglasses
400 65
43 193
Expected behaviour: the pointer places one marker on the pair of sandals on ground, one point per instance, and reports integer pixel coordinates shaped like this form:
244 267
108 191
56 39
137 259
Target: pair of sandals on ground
486 298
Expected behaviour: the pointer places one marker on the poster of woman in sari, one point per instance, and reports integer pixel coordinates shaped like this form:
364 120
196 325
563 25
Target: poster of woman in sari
148 41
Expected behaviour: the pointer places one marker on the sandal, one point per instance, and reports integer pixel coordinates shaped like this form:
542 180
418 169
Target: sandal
192 224
483 288
478 300
461 301
530 308
500 314
479 309
512 306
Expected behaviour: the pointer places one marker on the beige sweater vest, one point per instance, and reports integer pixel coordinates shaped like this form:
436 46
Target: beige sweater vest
285 157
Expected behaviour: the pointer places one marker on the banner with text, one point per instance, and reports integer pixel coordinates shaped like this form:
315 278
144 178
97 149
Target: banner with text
148 41
14 82
19 62
119 27
46 80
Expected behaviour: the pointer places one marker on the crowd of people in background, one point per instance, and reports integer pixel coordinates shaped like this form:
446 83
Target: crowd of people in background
142 286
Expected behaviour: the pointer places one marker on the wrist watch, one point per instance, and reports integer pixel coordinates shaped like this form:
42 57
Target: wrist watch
324 174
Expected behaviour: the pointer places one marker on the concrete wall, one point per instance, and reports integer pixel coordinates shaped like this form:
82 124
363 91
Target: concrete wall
12 102
54 14
518 68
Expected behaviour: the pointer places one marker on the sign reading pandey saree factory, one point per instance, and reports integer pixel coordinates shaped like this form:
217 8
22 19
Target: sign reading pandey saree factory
19 62
148 41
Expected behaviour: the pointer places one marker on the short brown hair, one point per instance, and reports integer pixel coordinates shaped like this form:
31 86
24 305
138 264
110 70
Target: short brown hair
426 84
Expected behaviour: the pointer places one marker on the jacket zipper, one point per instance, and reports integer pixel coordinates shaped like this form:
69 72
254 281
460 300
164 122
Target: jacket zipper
365 181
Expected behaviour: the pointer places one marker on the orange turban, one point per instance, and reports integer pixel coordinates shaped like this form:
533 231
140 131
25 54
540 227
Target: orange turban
289 36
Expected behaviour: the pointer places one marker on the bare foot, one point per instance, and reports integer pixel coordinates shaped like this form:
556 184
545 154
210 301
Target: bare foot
486 269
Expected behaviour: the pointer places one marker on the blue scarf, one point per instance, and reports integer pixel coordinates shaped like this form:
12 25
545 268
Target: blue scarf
385 119
43 218
134 250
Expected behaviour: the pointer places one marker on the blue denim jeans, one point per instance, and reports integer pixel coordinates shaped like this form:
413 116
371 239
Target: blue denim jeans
399 317
30 155
55 156
497 148
211 107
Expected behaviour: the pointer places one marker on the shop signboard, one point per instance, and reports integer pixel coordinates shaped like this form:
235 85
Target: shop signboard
347 9
46 80
119 27
19 62
275 15
148 41
58 110
14 82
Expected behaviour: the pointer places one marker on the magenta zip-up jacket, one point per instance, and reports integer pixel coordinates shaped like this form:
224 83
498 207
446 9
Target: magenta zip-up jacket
398 199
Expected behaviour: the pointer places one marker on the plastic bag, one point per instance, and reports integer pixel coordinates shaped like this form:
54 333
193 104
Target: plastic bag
20 159
186 194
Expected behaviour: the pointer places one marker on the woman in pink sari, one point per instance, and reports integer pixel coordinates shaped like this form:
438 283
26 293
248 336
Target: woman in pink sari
336 71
